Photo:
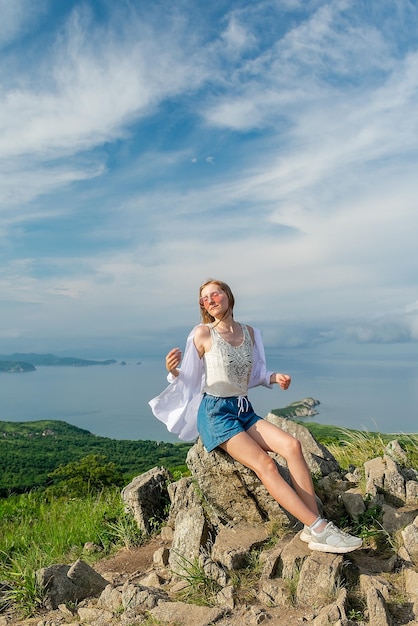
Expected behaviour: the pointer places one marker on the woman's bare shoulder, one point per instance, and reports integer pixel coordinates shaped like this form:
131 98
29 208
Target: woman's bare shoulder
202 331
202 339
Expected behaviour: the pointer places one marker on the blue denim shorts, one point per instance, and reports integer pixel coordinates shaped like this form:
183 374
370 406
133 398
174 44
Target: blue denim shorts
219 419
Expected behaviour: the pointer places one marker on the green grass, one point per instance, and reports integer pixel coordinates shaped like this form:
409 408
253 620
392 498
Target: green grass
37 530
355 447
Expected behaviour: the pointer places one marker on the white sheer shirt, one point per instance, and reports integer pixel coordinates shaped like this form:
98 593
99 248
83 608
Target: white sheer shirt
178 404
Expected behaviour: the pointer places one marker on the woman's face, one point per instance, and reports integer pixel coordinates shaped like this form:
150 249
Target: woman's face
214 300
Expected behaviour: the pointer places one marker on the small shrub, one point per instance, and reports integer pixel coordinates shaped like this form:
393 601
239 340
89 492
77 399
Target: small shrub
292 585
123 530
201 589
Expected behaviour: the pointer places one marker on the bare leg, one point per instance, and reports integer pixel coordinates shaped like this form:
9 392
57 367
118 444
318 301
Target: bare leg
250 449
274 439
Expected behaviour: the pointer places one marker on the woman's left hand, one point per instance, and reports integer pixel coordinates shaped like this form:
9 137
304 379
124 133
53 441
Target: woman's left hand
283 380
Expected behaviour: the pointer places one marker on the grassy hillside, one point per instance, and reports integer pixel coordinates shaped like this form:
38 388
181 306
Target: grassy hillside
30 451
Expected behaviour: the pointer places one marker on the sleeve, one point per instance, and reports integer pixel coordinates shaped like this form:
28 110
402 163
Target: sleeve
178 404
259 374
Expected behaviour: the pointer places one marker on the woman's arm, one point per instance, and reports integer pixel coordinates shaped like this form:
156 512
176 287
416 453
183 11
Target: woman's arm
177 405
259 374
172 361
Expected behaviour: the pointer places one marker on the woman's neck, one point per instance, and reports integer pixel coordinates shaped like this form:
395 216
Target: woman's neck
225 323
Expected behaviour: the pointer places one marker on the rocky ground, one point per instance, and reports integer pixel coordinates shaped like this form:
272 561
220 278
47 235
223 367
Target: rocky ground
132 565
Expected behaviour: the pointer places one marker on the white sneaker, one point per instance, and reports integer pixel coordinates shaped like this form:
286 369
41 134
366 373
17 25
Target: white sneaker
332 539
306 534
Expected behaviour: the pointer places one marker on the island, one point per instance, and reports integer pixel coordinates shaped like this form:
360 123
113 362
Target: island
22 362
16 366
296 410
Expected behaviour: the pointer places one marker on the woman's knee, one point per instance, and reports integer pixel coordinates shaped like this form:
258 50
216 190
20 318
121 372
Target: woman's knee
293 449
266 467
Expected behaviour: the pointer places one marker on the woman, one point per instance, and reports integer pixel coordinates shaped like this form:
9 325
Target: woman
208 397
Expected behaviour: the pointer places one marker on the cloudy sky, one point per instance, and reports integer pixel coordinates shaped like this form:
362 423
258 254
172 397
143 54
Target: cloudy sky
146 146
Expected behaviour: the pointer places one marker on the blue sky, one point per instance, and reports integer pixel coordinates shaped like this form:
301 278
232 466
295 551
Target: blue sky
146 146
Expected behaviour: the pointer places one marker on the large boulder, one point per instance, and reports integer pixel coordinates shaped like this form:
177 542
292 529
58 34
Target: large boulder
146 497
190 535
65 583
231 491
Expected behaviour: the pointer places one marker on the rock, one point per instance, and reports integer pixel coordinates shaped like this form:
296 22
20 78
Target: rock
98 617
411 583
89 546
377 609
319 578
190 534
146 497
256 616
386 479
410 539
110 599
225 597
183 495
182 613
217 517
411 492
333 483
333 613
134 596
397 518
239 495
213 570
354 475
271 562
375 470
151 580
275 592
353 503
161 556
64 583
395 451
85 577
292 558
167 533
233 545
367 581
393 483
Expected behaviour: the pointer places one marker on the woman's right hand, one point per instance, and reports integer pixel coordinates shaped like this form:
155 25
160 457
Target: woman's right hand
173 360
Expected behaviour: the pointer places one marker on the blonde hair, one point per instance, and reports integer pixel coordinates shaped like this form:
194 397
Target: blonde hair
206 317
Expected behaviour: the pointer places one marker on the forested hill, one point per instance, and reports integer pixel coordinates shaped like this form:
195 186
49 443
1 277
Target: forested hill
30 451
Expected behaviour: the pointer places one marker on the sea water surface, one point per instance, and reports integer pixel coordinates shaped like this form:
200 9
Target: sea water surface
112 401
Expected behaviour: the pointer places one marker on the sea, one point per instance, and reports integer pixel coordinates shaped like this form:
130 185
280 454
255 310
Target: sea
369 393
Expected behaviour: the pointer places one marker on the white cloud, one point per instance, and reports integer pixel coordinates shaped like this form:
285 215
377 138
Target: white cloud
236 36
89 88
309 210
17 17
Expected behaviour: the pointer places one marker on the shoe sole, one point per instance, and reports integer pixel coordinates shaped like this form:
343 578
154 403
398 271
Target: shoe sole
324 547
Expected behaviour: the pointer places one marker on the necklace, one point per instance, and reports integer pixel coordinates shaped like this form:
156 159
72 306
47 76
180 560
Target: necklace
232 333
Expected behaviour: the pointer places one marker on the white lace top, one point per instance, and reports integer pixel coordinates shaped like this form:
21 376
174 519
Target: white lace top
228 367
177 405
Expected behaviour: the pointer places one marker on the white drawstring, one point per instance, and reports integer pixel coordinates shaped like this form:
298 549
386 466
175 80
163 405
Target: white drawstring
243 404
